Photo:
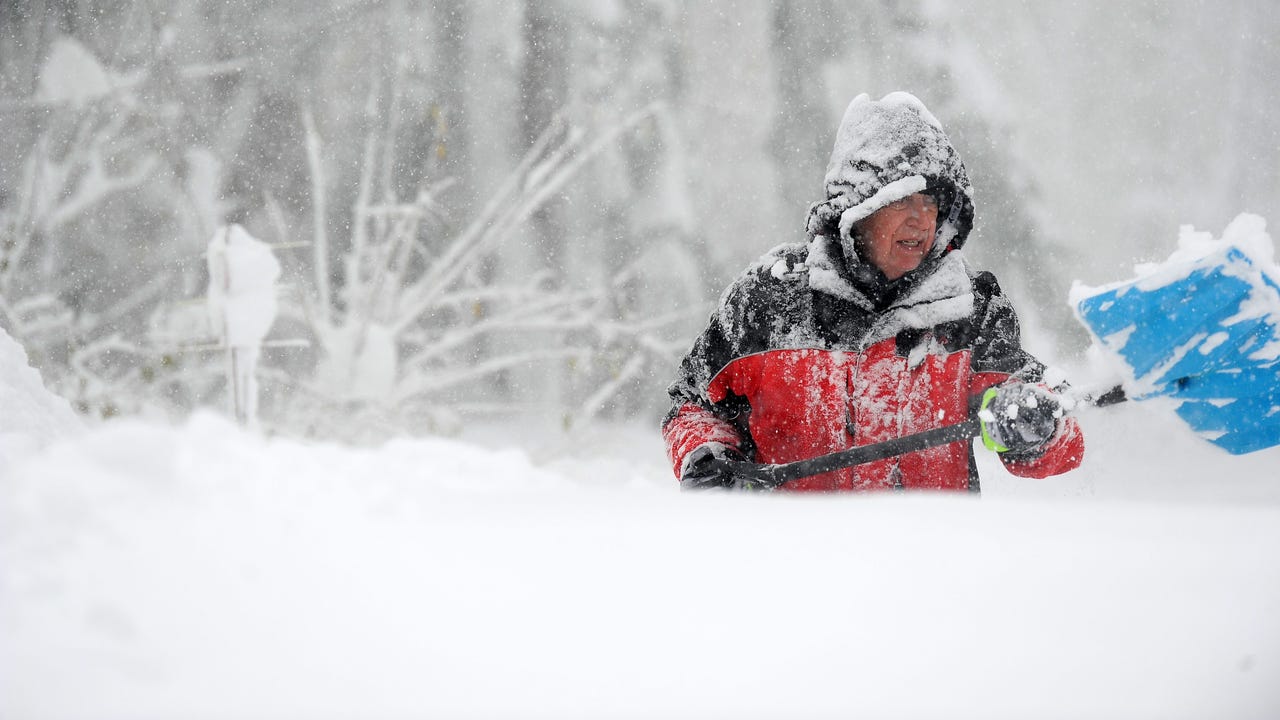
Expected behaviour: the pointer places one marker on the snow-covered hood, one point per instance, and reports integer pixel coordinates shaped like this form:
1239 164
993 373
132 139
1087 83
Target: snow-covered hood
886 150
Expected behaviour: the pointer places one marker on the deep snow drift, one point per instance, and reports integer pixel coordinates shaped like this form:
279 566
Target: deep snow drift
30 416
204 572
200 572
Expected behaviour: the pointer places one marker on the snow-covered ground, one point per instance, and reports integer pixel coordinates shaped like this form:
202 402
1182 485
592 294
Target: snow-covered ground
203 572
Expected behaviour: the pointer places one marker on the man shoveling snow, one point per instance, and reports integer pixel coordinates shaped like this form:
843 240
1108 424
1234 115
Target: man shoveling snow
875 329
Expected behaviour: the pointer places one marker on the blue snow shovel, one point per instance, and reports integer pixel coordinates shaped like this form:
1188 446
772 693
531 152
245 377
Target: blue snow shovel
1204 333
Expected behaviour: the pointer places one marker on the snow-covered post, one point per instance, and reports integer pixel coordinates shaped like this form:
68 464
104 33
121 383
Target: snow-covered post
242 306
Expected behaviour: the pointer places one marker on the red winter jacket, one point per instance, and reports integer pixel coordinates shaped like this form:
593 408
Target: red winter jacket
799 361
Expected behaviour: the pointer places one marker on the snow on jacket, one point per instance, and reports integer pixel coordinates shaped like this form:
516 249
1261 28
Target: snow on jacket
813 351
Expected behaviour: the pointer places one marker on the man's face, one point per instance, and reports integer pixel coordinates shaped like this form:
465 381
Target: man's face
899 236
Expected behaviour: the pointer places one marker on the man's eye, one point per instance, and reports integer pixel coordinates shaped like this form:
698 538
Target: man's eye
898 204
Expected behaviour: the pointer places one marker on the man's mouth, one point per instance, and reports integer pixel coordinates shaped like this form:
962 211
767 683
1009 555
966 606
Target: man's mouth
915 244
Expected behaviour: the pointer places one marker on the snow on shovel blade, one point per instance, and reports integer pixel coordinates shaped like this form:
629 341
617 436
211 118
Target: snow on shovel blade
1204 331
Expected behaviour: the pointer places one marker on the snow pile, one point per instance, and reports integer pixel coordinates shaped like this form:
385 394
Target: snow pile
204 572
242 293
1247 231
242 306
30 416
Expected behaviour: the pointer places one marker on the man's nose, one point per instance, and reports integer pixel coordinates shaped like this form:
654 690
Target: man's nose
916 209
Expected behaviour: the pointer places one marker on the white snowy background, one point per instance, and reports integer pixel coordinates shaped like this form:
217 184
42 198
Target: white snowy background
456 503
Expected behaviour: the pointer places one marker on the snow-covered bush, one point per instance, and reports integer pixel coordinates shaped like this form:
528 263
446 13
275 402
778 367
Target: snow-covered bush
75 285
416 327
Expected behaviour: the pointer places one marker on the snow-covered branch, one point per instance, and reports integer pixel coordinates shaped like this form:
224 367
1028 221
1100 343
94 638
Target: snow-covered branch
94 186
478 237
596 402
319 216
425 385
552 313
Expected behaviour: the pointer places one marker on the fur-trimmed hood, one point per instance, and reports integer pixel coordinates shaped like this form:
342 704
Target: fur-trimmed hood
886 150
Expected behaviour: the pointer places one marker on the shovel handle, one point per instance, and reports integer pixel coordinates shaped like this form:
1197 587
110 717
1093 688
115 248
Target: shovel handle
771 476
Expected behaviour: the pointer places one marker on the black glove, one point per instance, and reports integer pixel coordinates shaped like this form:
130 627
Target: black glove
1019 419
707 467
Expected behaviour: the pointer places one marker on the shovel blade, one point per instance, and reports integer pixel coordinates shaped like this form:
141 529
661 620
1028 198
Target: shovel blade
1206 333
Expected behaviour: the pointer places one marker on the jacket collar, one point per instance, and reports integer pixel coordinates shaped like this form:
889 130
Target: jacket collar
942 293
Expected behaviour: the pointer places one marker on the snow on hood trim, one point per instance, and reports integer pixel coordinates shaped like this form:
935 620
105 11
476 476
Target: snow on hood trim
824 275
891 193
